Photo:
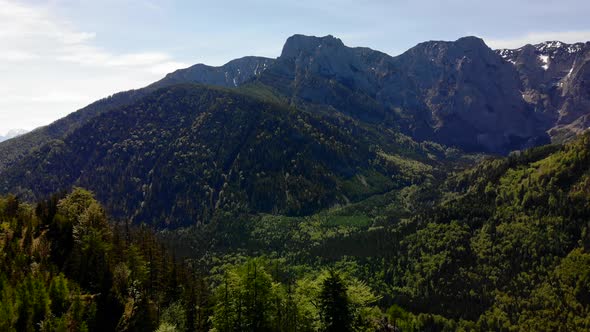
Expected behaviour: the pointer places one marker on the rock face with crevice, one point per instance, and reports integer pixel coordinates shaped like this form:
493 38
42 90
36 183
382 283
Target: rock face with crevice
458 93
471 96
556 83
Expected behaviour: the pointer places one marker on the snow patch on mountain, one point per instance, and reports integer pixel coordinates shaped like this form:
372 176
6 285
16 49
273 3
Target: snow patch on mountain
545 61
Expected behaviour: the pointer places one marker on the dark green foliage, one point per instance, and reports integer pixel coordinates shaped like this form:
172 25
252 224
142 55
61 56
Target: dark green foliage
263 295
499 252
188 154
246 300
334 306
100 278
502 246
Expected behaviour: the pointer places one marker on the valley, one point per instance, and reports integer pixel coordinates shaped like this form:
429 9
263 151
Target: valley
332 188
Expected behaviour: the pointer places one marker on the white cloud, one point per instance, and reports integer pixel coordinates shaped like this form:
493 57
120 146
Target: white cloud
20 24
17 56
30 32
49 97
167 67
539 37
49 68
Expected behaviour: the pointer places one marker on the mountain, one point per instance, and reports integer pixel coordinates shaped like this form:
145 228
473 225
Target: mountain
456 93
502 245
12 134
554 79
186 154
235 72
318 99
232 74
470 96
316 180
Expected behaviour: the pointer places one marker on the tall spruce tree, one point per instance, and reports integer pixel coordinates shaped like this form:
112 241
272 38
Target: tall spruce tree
334 304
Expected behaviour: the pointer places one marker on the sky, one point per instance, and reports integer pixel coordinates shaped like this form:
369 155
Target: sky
56 56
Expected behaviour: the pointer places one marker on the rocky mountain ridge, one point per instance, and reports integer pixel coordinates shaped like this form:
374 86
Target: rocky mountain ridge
458 93
555 81
231 74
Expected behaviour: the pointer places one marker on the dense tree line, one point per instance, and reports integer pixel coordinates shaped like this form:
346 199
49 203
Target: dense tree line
501 246
496 253
65 268
259 295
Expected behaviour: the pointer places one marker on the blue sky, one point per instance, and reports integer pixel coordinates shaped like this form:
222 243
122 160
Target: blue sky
59 55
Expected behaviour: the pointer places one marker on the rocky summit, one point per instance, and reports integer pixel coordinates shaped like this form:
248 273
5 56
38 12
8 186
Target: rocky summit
554 78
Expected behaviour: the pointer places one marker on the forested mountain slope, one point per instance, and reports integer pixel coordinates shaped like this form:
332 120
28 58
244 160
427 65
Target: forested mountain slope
505 246
512 247
185 154
229 75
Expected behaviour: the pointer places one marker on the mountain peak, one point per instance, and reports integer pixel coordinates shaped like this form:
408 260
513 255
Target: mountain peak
473 40
302 43
555 45
472 43
469 43
552 44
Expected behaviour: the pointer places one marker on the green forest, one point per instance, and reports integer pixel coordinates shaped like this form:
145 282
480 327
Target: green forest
501 246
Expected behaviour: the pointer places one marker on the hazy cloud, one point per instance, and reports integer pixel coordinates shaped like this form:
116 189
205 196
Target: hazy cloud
539 37
28 33
49 68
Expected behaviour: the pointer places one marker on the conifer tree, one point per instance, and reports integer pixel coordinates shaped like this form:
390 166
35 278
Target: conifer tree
334 304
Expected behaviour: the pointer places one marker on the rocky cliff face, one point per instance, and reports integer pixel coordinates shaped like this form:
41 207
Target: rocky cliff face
555 78
459 93
471 97
323 71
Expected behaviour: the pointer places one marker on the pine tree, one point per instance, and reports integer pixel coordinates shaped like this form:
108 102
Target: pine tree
334 304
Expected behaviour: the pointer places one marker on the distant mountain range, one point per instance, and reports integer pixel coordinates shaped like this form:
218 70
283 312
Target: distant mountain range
323 124
458 93
12 133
